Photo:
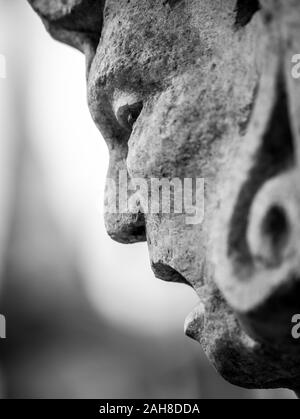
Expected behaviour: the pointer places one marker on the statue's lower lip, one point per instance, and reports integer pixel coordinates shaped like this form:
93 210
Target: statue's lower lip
194 321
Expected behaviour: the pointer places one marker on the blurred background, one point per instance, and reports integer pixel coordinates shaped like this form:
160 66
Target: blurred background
85 316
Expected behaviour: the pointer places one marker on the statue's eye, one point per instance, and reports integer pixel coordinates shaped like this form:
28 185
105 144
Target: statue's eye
128 114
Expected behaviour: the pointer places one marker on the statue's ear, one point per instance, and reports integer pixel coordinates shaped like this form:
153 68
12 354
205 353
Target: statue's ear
75 22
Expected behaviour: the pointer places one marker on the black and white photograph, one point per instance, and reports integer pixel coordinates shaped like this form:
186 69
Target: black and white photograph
149 203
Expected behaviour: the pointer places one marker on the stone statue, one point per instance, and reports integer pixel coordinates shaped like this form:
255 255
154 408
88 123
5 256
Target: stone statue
206 89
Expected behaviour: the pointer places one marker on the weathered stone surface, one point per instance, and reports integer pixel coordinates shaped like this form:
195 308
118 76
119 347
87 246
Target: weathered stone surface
212 82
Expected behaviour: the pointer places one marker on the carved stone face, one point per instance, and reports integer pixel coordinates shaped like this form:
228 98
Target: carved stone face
202 89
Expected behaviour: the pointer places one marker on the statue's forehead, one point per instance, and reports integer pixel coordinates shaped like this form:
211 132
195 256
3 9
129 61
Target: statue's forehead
87 15
133 28
75 21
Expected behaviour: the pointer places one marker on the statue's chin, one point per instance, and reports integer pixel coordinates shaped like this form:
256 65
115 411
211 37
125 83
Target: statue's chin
193 324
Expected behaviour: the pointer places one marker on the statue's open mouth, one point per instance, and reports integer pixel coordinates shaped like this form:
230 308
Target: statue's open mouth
194 320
